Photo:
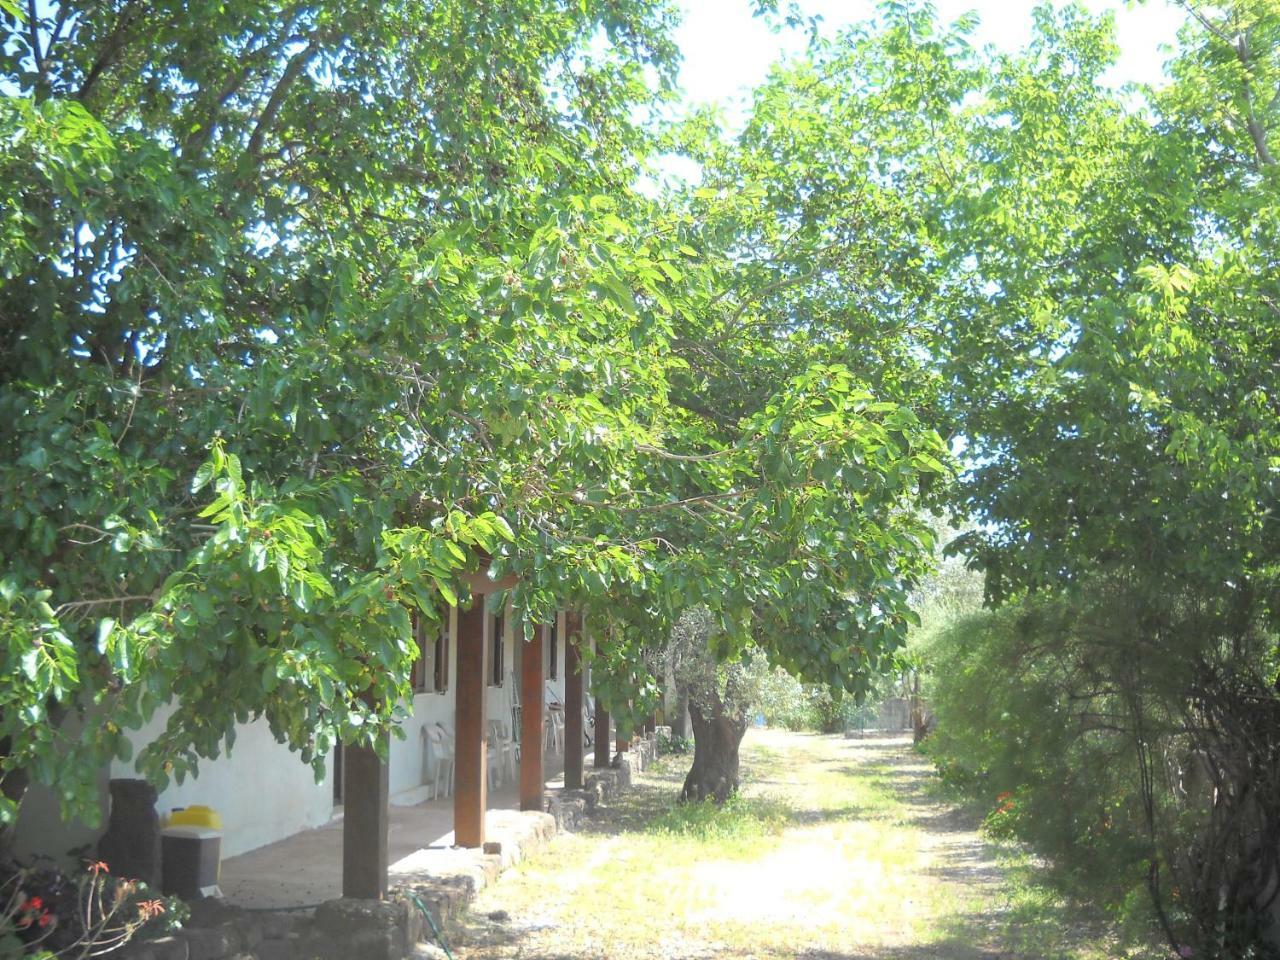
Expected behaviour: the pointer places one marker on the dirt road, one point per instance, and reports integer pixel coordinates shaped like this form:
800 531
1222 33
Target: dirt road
836 849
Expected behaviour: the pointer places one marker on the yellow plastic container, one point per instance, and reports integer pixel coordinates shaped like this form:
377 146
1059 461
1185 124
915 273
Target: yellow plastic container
195 815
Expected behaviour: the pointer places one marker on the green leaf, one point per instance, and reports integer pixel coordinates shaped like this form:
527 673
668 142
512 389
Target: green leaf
105 627
202 477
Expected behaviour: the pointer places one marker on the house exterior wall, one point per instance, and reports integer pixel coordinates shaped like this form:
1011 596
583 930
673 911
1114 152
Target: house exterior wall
262 790
498 697
555 687
40 828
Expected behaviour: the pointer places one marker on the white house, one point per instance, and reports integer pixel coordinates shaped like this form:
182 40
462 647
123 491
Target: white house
264 792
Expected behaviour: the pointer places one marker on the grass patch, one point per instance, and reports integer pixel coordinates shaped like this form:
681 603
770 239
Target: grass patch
742 826
1042 922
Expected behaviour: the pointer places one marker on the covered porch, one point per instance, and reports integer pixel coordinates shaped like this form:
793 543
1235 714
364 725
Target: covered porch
373 838
306 868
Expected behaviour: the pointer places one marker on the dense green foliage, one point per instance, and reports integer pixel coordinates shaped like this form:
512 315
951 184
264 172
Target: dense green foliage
308 310
1122 761
788 703
1086 277
1038 743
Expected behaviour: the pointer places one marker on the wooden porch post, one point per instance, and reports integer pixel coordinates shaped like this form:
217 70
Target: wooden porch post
469 799
603 743
364 824
531 710
572 702
650 723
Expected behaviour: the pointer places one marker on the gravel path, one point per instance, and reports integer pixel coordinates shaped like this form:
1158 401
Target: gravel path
839 850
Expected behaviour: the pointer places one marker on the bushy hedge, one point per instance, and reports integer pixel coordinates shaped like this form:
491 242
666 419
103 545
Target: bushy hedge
1011 735
786 702
1144 771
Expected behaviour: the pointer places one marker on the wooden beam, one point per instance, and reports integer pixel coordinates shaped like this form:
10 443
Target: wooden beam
603 743
650 723
573 701
469 798
531 711
365 822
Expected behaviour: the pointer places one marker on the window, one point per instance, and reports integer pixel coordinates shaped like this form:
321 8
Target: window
498 659
431 669
553 649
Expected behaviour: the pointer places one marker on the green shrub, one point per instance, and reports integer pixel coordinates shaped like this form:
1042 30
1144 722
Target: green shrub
1017 733
673 744
1144 771
784 702
788 703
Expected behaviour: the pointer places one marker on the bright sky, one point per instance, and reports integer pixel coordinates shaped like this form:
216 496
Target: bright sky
727 51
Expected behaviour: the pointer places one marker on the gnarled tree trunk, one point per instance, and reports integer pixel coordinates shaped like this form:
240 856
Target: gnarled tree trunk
716 738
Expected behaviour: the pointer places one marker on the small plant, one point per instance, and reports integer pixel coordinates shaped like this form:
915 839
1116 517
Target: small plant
1001 821
741 822
673 744
45 913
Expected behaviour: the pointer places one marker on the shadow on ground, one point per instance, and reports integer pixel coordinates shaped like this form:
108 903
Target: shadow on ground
958 853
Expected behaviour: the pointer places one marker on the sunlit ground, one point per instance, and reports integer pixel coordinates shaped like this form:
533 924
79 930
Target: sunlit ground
836 848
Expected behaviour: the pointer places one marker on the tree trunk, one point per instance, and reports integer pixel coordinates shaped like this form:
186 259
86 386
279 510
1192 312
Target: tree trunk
678 726
716 739
919 723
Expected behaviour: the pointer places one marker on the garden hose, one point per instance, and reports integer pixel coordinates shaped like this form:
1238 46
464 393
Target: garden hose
435 931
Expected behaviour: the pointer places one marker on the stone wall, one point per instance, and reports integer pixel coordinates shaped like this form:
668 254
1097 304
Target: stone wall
570 806
217 931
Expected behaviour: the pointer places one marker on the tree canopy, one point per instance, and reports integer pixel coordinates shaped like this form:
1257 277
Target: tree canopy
308 310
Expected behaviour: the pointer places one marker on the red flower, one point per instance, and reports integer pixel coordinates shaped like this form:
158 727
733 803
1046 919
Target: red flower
150 908
97 866
34 903
45 919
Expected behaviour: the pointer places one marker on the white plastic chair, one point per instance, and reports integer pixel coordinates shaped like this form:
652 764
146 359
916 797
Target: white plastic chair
508 748
446 759
554 728
495 762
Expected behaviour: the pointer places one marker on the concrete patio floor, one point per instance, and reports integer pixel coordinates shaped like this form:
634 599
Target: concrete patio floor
306 868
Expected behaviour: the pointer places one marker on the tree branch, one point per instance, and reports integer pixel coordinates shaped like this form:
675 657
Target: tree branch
1256 131
111 50
292 71
683 457
78 605
1240 45
37 56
